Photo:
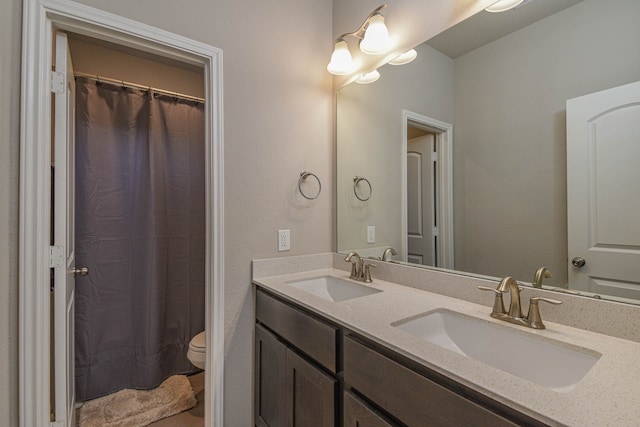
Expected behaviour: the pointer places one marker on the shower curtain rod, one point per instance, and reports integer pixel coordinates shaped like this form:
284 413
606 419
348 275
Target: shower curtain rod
137 86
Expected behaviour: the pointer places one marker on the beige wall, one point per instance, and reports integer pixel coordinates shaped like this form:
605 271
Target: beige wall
278 108
509 133
369 134
95 57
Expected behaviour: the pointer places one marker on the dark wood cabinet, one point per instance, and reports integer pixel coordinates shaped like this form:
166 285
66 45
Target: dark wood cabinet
293 389
357 413
310 372
311 394
270 379
409 396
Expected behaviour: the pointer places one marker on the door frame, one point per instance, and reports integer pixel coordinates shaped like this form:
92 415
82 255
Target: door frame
444 173
40 19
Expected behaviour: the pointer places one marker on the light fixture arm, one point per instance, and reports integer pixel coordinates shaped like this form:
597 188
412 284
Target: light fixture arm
359 33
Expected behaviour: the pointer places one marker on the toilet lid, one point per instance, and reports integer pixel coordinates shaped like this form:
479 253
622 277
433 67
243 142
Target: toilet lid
198 340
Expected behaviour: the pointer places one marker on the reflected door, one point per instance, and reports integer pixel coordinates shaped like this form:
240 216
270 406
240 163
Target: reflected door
603 191
420 201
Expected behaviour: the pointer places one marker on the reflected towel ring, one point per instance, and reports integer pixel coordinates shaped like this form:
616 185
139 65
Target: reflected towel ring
303 176
356 181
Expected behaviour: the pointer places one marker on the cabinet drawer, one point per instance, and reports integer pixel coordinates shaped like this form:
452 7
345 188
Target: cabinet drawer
357 413
313 337
408 396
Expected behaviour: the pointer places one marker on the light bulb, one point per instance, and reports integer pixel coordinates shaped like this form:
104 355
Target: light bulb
367 78
503 5
341 61
404 58
376 38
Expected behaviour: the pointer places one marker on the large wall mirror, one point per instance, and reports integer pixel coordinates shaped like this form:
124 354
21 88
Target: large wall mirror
464 150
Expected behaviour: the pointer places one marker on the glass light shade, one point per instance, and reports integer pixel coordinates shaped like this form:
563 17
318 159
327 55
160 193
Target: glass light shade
341 61
371 77
376 38
503 5
404 58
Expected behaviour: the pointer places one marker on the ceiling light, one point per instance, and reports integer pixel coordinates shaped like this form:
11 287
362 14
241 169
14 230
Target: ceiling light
503 5
341 60
374 40
367 78
376 37
404 58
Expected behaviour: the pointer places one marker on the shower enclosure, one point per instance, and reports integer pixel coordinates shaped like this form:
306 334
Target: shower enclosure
140 229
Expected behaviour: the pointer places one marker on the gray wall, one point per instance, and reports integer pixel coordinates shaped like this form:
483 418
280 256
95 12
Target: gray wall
278 108
9 157
369 134
509 133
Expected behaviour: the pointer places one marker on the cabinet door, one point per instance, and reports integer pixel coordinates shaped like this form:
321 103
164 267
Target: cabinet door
270 379
358 414
311 395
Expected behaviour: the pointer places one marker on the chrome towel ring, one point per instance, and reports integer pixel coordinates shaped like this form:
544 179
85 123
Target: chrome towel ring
303 176
356 181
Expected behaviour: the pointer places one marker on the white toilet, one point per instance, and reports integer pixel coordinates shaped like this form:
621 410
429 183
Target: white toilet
196 353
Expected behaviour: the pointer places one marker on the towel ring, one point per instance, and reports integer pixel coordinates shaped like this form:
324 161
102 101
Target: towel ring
303 176
356 181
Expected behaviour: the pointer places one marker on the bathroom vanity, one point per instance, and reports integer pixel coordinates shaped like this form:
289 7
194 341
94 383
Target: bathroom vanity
333 351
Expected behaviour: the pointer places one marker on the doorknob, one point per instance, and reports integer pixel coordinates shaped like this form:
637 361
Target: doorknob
578 262
84 271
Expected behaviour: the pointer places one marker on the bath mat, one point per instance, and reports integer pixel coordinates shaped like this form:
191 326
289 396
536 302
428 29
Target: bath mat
137 408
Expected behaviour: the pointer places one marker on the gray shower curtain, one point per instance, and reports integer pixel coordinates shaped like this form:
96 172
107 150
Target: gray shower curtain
140 224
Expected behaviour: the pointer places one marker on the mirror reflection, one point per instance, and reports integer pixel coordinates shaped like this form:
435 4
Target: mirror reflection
467 154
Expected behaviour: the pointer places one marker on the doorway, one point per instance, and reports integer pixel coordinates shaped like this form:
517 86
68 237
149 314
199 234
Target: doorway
138 168
427 193
37 255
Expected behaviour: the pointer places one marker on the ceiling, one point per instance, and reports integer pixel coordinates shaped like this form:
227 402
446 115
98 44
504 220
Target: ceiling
485 27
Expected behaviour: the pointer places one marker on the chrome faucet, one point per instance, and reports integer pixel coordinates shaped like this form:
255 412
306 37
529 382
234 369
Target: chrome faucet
541 274
388 253
514 315
360 269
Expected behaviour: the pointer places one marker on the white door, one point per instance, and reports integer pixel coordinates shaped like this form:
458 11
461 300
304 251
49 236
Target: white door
420 201
63 86
603 191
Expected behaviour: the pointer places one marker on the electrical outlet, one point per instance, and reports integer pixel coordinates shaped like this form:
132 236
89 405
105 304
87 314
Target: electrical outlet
284 240
371 234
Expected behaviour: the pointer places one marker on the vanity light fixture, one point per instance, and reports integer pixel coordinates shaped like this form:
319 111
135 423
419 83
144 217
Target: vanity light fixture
404 58
374 40
503 5
367 78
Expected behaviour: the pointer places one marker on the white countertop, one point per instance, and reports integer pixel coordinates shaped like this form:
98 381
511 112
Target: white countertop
609 394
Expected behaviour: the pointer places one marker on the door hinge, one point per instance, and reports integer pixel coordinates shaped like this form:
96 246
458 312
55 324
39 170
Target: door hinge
56 256
57 82
435 232
56 424
434 157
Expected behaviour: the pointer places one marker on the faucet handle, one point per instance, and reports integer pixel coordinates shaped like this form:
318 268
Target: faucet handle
498 304
534 311
366 272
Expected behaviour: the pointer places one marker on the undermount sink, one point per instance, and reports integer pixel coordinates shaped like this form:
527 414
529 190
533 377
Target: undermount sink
558 367
333 289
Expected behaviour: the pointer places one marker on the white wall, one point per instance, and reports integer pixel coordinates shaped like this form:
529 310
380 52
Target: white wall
369 134
510 173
